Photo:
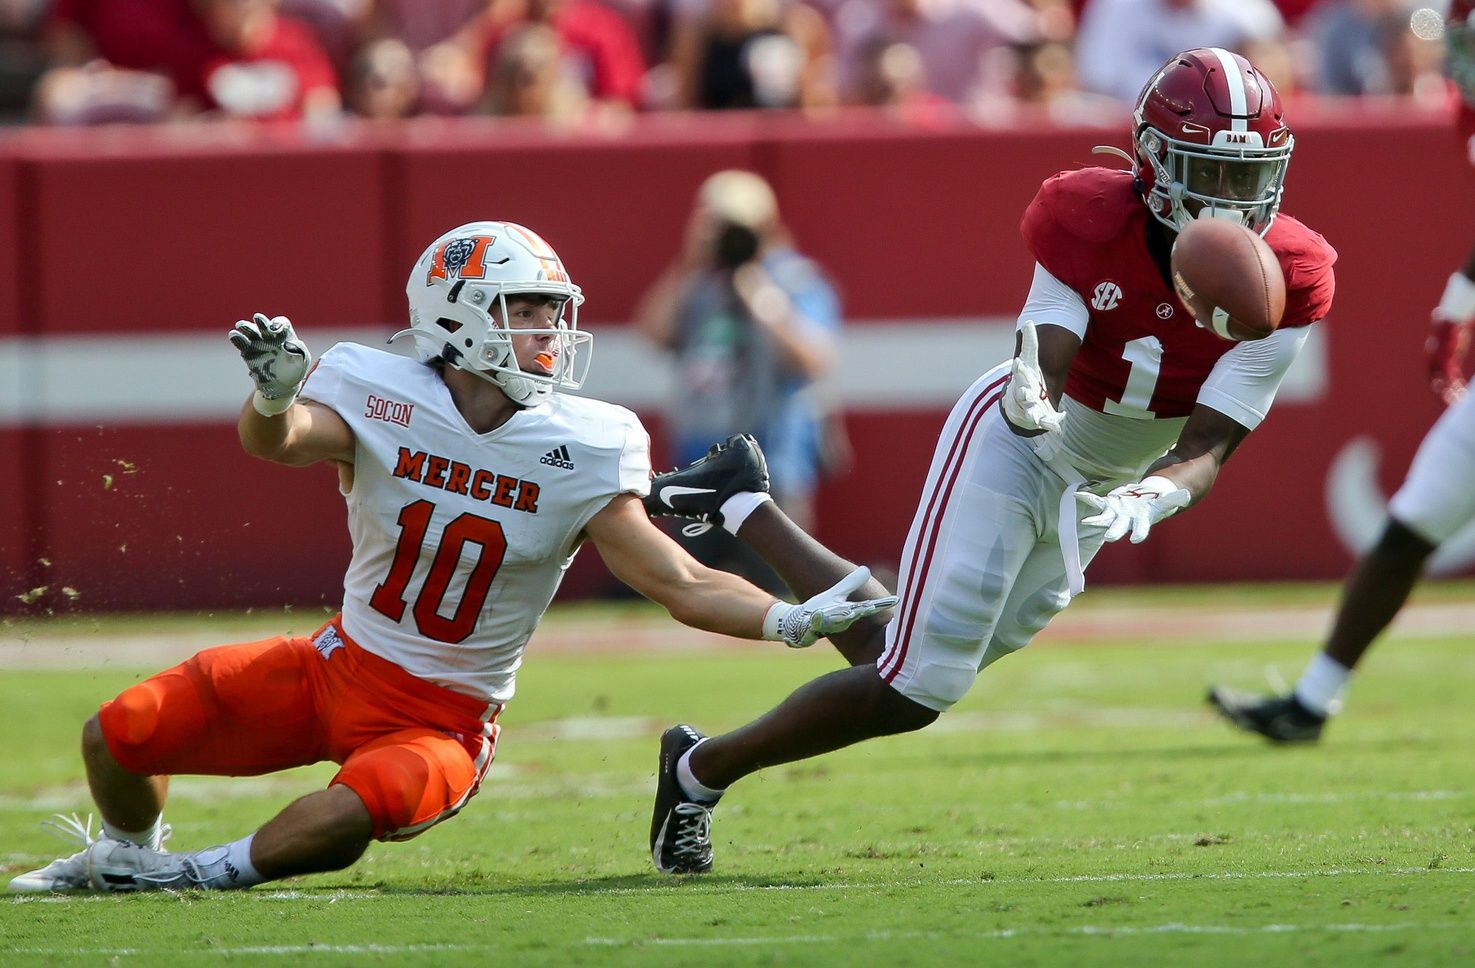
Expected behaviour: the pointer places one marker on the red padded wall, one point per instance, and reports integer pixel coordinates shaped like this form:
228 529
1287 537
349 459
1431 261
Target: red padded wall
161 231
152 236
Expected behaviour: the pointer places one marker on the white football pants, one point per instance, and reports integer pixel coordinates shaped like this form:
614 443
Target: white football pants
982 570
1438 496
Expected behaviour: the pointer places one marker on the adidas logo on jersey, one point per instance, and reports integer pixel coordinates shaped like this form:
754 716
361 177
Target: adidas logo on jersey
558 457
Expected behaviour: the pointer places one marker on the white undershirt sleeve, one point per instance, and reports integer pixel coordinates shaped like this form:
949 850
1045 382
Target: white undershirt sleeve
1243 383
1052 302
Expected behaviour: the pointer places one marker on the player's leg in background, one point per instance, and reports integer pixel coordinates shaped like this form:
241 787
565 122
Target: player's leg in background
975 528
1434 503
1375 592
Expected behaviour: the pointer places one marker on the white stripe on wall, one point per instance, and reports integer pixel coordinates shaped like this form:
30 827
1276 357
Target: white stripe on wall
885 365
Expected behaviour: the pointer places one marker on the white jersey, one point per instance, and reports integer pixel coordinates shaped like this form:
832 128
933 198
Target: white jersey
461 539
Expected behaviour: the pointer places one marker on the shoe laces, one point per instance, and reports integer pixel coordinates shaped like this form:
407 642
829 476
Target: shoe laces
74 828
71 828
697 528
693 830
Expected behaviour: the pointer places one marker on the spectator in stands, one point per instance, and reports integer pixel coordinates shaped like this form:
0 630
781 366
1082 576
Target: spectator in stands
265 66
239 57
890 75
1120 42
965 46
384 80
1283 60
598 46
753 325
448 76
340 26
127 49
100 94
751 54
1352 40
1412 62
1047 77
529 78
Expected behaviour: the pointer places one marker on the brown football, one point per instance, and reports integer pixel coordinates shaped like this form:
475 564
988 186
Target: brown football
1229 278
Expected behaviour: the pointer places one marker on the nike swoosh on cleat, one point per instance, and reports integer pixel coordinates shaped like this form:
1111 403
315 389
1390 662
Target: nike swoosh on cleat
676 490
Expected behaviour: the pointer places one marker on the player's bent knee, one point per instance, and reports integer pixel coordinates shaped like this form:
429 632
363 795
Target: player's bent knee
403 793
92 741
124 729
908 715
936 687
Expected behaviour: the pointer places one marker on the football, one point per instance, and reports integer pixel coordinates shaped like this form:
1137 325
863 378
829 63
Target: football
1229 278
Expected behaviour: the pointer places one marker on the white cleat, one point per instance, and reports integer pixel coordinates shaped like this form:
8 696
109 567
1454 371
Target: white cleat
113 865
64 873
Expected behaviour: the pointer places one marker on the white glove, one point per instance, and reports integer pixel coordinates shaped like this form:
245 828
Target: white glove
1026 398
824 614
1134 507
277 359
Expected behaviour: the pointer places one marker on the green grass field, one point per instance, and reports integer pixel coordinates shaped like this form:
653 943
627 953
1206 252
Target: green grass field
1081 806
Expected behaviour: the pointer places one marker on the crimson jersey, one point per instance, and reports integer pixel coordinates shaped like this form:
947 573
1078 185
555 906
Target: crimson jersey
1088 228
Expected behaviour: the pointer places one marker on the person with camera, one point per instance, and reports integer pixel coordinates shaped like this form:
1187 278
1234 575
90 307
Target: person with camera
754 327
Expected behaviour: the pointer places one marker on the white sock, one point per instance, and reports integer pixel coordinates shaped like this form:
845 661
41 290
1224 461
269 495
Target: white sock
735 510
1322 684
151 837
228 866
690 785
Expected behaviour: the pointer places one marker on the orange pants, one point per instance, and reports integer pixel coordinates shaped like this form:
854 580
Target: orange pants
414 752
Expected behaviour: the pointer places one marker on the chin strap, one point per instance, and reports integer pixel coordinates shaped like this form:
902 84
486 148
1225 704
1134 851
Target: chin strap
1114 150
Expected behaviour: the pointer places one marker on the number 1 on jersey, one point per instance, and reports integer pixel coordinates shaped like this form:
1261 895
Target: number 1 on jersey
414 521
1146 357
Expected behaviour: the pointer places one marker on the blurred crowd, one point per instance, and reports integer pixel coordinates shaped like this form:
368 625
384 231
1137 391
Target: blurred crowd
590 62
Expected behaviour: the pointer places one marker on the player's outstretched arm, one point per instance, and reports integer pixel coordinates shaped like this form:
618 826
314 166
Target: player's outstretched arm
646 559
272 424
1178 479
808 568
728 487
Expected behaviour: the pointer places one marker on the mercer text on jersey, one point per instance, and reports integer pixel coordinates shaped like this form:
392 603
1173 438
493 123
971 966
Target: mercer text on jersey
480 484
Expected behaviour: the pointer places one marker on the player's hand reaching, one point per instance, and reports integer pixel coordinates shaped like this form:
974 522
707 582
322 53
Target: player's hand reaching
277 359
828 612
1134 508
1446 347
1027 398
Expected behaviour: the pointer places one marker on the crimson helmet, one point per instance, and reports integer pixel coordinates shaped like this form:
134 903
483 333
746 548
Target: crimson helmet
1459 47
1211 140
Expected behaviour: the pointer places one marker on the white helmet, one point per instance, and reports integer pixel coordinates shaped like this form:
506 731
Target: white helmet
458 293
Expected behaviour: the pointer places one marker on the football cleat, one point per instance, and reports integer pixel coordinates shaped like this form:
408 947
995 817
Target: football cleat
680 827
115 865
1280 719
699 489
64 873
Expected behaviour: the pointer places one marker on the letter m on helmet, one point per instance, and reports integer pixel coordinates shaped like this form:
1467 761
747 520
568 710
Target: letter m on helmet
461 258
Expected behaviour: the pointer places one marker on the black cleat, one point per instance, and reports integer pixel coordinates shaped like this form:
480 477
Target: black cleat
1280 719
680 827
698 489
